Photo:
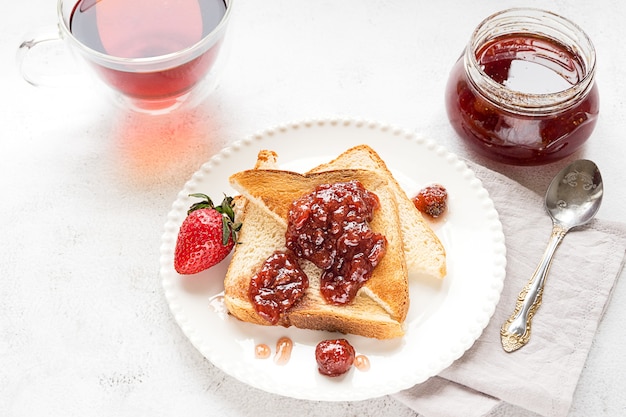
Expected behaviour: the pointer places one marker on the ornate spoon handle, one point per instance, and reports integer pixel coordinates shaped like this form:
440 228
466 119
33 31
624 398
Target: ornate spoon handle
515 332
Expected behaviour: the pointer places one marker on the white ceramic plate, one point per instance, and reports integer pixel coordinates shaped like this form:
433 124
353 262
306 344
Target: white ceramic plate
445 317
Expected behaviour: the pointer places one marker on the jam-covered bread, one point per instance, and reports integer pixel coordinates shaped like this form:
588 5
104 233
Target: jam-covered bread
380 306
425 255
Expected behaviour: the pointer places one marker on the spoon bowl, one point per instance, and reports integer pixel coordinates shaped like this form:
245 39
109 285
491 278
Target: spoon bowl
574 195
573 199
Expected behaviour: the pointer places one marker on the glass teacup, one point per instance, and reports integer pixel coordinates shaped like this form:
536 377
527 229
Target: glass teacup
156 55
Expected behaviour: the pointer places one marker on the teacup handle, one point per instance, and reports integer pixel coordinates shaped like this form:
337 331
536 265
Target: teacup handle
43 59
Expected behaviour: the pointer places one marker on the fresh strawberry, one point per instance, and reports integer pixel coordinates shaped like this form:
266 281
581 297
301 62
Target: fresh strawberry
206 236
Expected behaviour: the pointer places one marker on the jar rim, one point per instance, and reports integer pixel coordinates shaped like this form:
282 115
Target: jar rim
532 21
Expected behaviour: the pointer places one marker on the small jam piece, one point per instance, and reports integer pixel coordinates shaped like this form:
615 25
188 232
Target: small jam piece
330 228
334 357
432 200
277 286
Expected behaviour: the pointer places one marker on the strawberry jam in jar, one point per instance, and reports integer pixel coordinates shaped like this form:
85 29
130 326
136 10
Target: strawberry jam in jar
523 92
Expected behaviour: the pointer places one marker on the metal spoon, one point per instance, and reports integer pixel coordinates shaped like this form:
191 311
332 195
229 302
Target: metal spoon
573 199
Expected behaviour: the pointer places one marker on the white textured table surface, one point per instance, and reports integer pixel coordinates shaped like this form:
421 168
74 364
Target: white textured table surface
84 327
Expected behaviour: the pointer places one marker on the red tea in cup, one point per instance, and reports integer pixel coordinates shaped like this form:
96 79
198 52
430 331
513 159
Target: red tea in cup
148 29
155 55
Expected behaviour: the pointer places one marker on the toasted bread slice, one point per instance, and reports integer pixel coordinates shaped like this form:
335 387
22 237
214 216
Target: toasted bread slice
381 305
259 237
425 255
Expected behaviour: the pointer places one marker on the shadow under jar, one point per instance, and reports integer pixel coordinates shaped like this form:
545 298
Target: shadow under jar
523 92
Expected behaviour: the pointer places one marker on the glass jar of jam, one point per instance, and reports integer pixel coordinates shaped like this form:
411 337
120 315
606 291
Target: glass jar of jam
523 92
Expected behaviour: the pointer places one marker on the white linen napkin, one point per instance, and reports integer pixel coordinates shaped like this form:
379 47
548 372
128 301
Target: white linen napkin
541 376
